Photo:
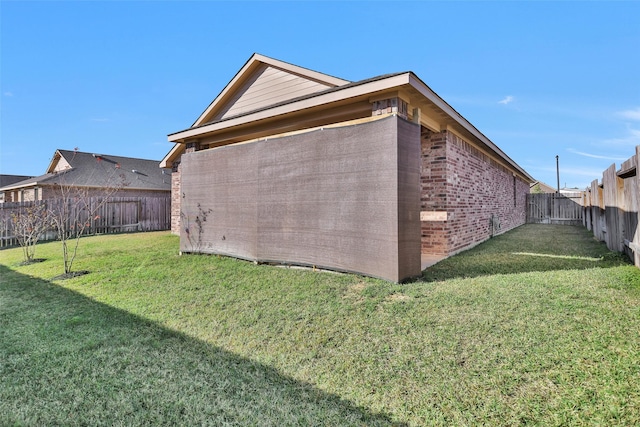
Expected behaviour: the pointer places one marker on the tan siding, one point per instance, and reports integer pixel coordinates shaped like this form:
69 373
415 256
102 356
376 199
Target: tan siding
62 165
269 86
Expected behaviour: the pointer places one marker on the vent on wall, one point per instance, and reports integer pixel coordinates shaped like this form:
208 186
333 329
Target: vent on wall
494 225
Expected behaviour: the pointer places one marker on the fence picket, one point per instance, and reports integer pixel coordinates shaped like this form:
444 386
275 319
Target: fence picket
552 208
119 214
613 208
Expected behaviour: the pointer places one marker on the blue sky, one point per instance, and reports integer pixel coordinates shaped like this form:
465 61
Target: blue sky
539 79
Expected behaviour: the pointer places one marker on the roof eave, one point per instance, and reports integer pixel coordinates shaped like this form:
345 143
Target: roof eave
17 187
451 112
340 94
175 152
320 99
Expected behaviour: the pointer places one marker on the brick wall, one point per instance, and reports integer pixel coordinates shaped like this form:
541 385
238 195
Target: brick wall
176 187
433 185
176 198
471 188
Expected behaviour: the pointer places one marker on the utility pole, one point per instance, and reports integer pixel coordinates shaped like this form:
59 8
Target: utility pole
558 171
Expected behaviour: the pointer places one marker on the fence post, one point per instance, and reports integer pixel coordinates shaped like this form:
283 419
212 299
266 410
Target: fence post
610 190
636 240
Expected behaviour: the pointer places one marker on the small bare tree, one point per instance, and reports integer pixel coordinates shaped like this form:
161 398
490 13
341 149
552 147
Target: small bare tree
76 208
29 225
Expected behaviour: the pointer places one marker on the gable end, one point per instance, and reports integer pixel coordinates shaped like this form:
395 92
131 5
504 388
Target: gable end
268 86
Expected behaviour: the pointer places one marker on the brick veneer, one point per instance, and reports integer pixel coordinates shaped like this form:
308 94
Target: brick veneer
471 188
176 188
433 183
175 198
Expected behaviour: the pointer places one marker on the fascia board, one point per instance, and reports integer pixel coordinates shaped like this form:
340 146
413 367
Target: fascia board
303 72
171 155
16 186
451 112
226 89
54 161
315 101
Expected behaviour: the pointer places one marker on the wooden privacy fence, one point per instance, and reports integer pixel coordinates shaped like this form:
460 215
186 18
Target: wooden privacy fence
612 210
116 215
555 208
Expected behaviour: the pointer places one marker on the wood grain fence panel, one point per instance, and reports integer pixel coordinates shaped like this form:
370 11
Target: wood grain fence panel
597 211
553 208
636 232
116 215
629 208
587 220
614 208
611 189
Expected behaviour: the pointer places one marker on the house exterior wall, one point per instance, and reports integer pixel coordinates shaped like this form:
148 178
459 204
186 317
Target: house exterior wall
176 197
433 183
343 198
28 194
474 197
479 188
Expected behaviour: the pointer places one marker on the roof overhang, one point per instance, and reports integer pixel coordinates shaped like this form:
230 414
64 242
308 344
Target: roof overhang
325 98
438 115
17 186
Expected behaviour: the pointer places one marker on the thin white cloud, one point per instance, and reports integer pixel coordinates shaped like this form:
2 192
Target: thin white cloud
8 94
508 99
596 156
630 140
99 119
572 171
630 114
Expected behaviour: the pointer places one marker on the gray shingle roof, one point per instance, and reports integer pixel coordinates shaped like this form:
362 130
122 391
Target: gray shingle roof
12 179
101 170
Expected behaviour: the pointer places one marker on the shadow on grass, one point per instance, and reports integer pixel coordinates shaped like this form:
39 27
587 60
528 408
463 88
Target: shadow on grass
68 360
529 248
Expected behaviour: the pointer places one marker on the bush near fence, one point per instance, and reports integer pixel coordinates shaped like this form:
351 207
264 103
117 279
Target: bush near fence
117 215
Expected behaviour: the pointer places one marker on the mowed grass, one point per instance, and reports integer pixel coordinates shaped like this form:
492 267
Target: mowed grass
539 326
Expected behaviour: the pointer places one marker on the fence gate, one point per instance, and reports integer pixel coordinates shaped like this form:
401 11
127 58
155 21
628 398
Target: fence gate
554 208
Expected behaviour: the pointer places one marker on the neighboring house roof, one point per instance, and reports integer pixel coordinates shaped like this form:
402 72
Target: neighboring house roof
12 179
99 170
545 188
266 90
575 191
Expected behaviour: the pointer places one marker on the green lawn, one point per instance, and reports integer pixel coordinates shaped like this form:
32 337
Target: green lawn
540 326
